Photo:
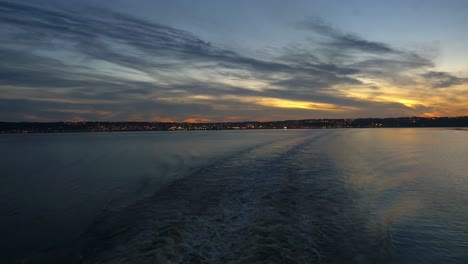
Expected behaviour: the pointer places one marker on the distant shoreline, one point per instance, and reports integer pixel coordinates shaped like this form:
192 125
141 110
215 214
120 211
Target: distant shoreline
193 130
458 123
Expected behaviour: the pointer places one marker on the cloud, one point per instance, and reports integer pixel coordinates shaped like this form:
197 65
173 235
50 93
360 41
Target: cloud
103 49
365 58
394 70
70 63
443 79
394 65
341 40
126 41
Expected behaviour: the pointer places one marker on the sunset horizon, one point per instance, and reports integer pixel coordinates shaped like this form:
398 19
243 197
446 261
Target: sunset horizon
202 120
246 131
214 61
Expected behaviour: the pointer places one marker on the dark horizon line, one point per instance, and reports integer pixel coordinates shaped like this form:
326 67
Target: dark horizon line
100 126
218 122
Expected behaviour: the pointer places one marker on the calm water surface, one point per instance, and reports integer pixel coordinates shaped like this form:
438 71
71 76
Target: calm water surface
294 196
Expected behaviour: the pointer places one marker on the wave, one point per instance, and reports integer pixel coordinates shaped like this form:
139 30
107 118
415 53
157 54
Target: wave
279 203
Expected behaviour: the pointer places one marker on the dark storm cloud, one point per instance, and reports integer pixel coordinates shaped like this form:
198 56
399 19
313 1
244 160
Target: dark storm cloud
443 79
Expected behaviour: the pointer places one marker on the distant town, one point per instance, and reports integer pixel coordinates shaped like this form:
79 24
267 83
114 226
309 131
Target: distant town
97 126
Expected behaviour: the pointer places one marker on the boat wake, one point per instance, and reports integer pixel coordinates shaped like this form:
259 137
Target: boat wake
282 202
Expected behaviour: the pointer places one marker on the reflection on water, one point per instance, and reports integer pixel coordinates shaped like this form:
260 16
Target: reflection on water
304 196
412 183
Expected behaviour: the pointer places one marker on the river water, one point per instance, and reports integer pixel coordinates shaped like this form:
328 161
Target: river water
278 196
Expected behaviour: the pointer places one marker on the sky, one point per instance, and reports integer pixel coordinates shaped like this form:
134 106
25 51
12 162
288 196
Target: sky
216 60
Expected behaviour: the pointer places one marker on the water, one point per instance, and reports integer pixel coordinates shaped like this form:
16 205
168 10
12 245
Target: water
294 196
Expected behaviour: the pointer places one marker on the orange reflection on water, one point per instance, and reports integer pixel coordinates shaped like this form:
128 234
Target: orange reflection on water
402 208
